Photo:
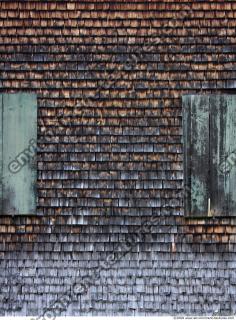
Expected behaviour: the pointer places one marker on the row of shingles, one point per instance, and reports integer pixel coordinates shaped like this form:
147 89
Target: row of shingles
61 3
163 49
178 65
159 272
172 273
177 17
24 236
143 286
177 12
71 248
203 77
174 22
171 24
114 5
104 296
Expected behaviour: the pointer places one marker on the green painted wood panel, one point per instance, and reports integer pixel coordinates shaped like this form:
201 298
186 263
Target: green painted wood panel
1 147
196 142
231 152
209 136
186 102
19 136
218 179
223 159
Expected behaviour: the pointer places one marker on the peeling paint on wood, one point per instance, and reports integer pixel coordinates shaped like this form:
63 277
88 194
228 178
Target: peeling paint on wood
197 153
223 144
210 135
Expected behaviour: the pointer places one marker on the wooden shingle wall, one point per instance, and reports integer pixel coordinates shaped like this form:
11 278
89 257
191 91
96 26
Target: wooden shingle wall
109 76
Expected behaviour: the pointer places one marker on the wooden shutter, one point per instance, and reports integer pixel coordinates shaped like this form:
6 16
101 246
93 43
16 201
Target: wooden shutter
209 130
196 150
223 155
18 126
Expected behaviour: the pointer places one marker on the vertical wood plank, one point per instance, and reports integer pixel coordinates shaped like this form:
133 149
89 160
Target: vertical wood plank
199 152
223 160
210 154
231 151
186 116
19 151
1 153
218 175
196 154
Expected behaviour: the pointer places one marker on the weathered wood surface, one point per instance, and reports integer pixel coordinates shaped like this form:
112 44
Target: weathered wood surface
209 139
197 153
223 160
230 149
18 138
186 102
1 153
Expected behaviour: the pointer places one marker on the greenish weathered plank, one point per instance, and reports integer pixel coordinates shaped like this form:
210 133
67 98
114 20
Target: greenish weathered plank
218 176
230 147
210 154
1 146
223 159
196 158
186 116
19 134
199 155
